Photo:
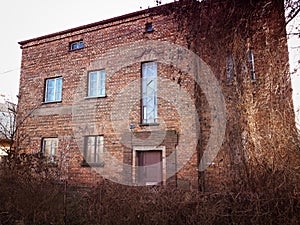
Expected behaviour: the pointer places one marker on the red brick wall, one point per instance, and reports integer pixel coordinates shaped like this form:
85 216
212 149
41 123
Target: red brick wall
50 57
76 116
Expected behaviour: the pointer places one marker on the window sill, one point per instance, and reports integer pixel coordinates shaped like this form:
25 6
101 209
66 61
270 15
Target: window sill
149 32
74 50
43 103
95 97
148 124
86 164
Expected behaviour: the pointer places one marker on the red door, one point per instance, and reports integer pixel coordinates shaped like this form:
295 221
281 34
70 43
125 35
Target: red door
149 167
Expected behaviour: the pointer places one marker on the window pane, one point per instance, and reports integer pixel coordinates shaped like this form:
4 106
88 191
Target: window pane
53 147
46 147
251 58
149 92
80 44
101 144
150 69
58 89
50 85
93 84
145 114
229 68
102 83
91 142
144 87
73 46
97 150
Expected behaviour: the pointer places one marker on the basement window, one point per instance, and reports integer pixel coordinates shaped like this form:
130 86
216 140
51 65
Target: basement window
76 45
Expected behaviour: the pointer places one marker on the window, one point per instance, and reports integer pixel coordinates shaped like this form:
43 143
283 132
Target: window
149 92
96 84
93 149
229 68
251 60
76 45
148 27
53 89
50 147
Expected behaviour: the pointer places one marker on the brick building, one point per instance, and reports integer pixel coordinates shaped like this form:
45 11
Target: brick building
182 94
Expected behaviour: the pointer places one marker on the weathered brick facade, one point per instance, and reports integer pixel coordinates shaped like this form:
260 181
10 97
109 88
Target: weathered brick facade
120 45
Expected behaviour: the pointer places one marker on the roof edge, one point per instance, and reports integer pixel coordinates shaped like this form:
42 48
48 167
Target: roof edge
102 22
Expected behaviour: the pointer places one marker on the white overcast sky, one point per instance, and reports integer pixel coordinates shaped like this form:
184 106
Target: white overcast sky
26 19
294 54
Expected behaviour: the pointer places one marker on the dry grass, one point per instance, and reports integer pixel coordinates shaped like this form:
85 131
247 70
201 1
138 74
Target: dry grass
270 199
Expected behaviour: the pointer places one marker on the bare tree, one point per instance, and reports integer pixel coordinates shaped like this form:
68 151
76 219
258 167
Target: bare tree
8 127
10 124
292 8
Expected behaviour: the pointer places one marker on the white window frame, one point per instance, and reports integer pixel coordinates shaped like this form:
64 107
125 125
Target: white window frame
57 94
53 144
96 148
149 97
98 86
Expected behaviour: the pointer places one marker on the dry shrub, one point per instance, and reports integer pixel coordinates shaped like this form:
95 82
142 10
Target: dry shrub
272 197
28 192
33 201
111 203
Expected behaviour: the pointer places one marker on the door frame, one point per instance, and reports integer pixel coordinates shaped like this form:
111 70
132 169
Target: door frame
149 148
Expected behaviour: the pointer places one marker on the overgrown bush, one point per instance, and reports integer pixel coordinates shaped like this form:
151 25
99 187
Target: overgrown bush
271 198
28 193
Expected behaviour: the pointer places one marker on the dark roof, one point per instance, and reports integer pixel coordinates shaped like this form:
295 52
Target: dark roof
114 19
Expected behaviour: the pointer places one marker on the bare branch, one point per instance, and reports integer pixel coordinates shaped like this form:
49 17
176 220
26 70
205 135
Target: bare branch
293 9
